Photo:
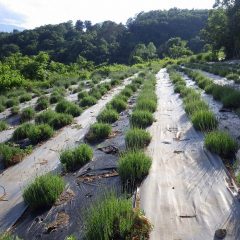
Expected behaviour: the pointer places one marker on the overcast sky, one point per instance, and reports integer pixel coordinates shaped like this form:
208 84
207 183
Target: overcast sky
34 13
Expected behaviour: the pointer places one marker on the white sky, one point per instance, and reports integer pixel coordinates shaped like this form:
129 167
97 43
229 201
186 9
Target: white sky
33 13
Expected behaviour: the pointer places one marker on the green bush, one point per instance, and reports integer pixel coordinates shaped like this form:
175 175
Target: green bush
55 97
88 101
42 103
68 107
98 131
44 191
141 119
15 110
221 143
133 167
8 236
118 104
82 94
137 138
3 126
39 133
27 114
22 131
12 102
108 116
77 157
204 120
60 120
2 108
45 116
12 155
146 105
231 100
196 105
114 218
25 97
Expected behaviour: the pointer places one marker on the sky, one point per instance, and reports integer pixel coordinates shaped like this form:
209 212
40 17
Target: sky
33 13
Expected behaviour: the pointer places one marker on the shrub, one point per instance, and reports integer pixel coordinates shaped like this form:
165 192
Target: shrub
22 131
55 97
221 143
196 105
77 157
141 119
231 100
68 107
27 114
3 126
118 104
137 138
39 133
88 101
8 236
108 116
11 154
115 218
127 92
44 191
98 131
25 97
42 103
2 108
82 94
15 110
133 167
12 102
204 120
146 105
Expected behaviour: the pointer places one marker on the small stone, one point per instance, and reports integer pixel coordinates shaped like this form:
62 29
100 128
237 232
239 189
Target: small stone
221 233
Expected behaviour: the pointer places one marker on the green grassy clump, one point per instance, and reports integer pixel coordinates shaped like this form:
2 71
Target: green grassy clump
88 101
22 131
141 119
75 158
25 97
15 110
221 143
137 138
118 104
195 105
204 120
8 236
234 76
39 133
146 105
108 116
42 103
231 100
82 94
12 155
3 125
2 108
98 132
114 218
55 97
44 191
27 114
133 167
68 107
11 102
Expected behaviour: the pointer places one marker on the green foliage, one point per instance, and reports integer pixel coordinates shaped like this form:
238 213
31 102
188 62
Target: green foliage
118 104
15 110
60 120
42 103
25 97
221 143
3 125
8 236
146 105
88 101
27 114
68 107
12 102
22 132
114 218
137 138
77 157
98 132
204 120
39 133
133 167
44 191
108 116
141 119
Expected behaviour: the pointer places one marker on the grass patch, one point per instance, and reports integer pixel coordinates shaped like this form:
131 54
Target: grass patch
68 107
44 191
146 105
221 143
22 131
27 114
40 133
3 126
8 236
204 120
108 116
98 132
88 101
77 157
15 110
118 104
141 119
137 138
42 103
114 218
195 105
25 97
11 102
133 167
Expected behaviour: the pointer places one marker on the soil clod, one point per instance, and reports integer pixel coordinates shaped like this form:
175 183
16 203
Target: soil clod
221 233
109 149
62 220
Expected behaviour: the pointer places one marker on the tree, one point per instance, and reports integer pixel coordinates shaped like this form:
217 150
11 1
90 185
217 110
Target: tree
79 25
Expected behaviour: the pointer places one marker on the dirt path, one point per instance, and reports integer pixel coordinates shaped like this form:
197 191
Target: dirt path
45 158
185 194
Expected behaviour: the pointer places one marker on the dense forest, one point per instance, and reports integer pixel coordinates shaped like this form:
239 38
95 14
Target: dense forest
143 37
